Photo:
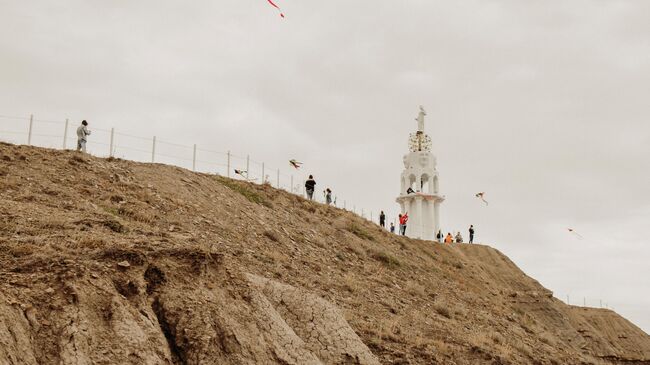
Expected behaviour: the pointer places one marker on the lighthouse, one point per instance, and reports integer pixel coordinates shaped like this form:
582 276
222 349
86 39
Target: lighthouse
420 195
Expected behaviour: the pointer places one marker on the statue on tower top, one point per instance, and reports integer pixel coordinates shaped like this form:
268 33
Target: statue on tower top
420 119
419 141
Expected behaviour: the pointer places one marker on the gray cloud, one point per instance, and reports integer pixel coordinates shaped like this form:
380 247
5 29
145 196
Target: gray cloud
542 105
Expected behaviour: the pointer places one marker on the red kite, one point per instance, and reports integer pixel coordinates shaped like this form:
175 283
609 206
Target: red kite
277 7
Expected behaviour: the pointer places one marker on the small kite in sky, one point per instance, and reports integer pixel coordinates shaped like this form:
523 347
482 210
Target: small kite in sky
277 7
295 163
482 197
572 231
242 173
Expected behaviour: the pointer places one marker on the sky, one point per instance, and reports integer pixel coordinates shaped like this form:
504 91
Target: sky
542 105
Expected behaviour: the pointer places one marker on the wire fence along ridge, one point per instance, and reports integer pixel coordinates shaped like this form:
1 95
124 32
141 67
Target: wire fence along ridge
112 143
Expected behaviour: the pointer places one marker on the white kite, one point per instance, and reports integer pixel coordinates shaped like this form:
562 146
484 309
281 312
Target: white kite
572 231
295 163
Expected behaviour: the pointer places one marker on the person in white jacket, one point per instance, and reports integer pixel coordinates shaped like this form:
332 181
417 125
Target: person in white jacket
82 134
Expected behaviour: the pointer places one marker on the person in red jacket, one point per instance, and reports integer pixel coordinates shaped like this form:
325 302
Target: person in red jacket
402 222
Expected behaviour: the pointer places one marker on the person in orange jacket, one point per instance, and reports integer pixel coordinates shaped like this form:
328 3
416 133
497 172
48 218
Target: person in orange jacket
402 222
449 238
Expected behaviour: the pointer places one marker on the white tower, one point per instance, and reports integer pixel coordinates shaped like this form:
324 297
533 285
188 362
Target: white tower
419 195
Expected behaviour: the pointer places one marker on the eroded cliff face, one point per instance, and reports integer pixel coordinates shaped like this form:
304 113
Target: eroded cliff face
169 307
114 262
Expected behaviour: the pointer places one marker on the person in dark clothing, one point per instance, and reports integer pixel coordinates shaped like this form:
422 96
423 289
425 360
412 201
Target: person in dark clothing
439 236
310 185
382 219
471 234
392 228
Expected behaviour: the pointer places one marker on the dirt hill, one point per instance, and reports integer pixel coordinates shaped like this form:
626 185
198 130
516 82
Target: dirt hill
105 261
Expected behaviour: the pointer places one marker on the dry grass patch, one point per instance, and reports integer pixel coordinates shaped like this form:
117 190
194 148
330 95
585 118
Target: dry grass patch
385 258
245 191
415 288
442 309
350 284
358 231
272 236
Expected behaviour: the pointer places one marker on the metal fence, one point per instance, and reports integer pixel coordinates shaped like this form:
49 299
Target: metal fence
61 134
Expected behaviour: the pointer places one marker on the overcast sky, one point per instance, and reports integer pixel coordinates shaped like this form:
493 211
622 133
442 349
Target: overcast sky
543 105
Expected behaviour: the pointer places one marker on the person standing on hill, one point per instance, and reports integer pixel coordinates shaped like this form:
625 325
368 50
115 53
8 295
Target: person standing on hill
382 219
82 135
392 227
310 185
471 233
449 238
439 236
328 196
404 218
459 238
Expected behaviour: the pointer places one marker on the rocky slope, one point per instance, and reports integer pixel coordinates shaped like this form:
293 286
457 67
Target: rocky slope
104 261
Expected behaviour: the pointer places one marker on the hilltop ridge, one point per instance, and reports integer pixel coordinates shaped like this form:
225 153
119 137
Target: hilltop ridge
106 261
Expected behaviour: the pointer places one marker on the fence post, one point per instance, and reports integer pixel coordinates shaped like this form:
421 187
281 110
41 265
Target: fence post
228 166
110 153
194 159
354 209
248 169
29 133
567 299
344 205
65 132
371 216
263 176
153 150
291 184
363 213
584 301
277 185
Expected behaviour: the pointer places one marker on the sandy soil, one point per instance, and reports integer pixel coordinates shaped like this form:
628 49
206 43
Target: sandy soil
104 261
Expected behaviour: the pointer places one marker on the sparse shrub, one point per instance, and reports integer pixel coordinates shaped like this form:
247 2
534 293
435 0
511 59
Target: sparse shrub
384 258
349 283
498 338
359 232
242 189
114 226
116 198
271 235
443 310
524 350
415 288
547 339
441 347
77 158
352 248
22 250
